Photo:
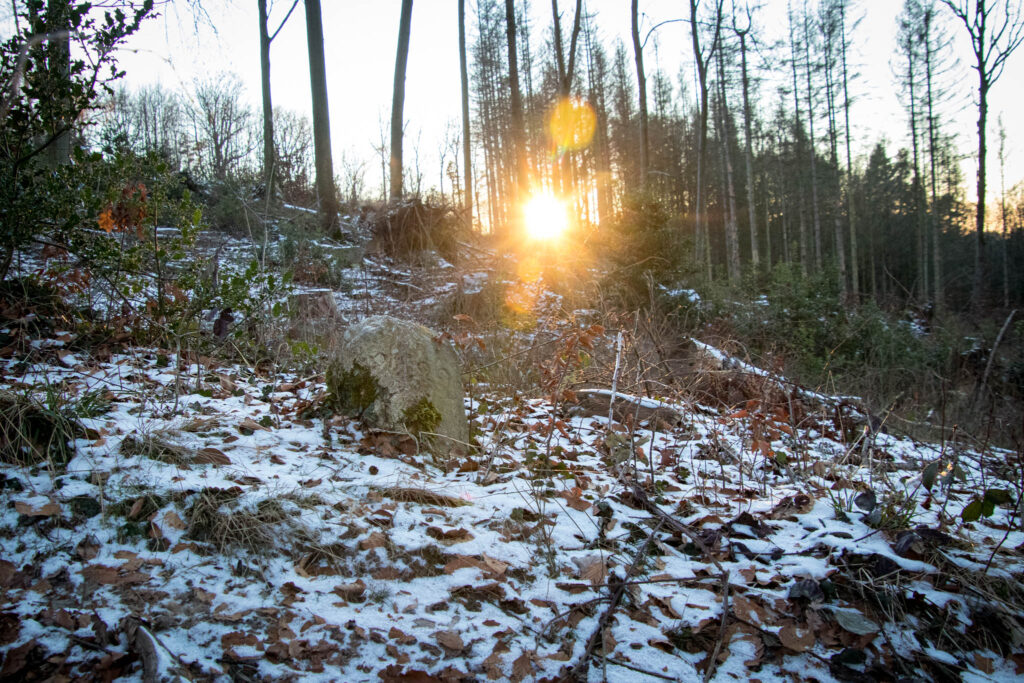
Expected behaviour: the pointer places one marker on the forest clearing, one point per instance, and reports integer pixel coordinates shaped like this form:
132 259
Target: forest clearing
697 389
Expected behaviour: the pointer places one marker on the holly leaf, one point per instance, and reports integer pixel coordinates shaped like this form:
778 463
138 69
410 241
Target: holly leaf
928 475
972 512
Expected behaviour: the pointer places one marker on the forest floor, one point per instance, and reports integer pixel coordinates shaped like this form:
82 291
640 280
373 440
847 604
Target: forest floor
203 528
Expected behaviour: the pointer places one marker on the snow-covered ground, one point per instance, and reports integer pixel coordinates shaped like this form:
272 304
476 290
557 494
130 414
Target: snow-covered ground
208 527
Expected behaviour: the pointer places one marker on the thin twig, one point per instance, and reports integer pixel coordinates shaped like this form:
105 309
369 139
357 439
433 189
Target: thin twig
633 667
710 671
991 356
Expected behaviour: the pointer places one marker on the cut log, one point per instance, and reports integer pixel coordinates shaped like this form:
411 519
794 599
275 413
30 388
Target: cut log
596 401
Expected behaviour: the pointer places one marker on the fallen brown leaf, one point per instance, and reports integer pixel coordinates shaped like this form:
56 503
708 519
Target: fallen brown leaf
235 638
451 536
102 574
750 610
374 540
211 456
449 640
350 591
48 510
249 424
796 638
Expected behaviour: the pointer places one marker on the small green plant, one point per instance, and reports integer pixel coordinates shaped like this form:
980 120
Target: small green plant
984 505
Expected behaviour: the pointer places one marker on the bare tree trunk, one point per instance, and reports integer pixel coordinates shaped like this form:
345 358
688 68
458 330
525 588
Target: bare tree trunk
467 154
518 135
936 228
268 107
327 201
703 238
1002 213
991 50
58 51
602 163
732 242
566 71
398 100
755 255
641 82
805 253
909 37
816 213
854 270
833 137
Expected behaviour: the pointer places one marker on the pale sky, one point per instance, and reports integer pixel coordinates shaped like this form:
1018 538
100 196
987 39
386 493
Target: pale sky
360 38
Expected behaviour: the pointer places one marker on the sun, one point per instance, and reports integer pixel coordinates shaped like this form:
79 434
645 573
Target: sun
545 217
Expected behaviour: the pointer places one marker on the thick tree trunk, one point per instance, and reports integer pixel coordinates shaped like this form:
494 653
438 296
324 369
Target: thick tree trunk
327 201
398 100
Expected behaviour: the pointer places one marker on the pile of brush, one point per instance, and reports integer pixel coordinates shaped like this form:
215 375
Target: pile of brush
410 230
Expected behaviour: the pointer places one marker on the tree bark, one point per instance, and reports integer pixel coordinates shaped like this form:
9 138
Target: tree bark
398 100
815 211
854 271
991 52
58 59
268 107
732 242
703 241
830 31
518 137
805 252
467 154
755 255
327 201
936 227
641 81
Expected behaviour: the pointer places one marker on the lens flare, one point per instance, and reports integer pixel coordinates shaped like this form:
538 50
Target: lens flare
572 124
545 217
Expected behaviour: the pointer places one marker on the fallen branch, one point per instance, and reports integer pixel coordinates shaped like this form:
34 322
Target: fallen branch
674 524
617 589
991 356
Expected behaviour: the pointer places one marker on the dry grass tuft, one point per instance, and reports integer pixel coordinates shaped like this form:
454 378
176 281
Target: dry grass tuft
422 496
201 424
32 433
156 447
260 531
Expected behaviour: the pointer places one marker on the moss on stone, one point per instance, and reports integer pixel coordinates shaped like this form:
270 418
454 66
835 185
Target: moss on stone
422 417
351 391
